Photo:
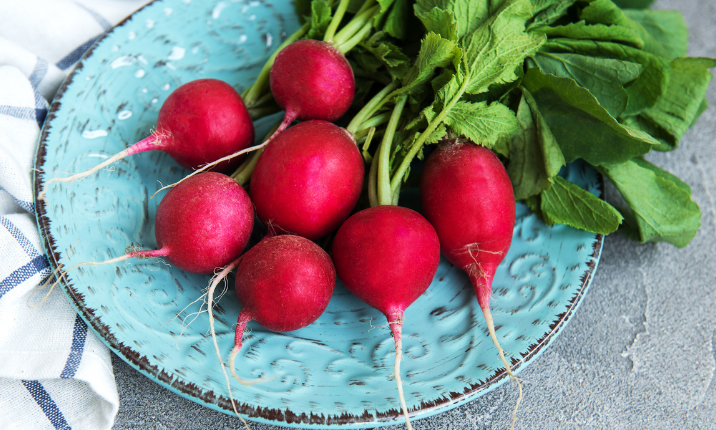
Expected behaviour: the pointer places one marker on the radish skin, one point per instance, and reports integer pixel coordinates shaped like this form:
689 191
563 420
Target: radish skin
201 225
387 257
467 196
310 80
200 122
283 283
308 180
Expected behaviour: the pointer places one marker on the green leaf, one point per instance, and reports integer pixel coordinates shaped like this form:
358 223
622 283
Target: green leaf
439 21
388 54
534 154
320 18
634 4
658 37
605 78
702 108
582 127
639 122
493 51
645 90
534 204
567 203
398 22
468 14
481 123
435 52
667 31
660 209
582 30
303 9
663 173
681 104
547 12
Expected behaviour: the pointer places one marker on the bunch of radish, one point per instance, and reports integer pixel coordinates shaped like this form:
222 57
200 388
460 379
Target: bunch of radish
305 181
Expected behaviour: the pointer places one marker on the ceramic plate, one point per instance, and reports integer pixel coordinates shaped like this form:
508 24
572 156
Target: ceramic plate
335 373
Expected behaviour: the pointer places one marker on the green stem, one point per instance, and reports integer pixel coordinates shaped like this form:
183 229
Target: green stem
258 113
372 176
372 106
244 172
355 25
398 176
373 122
366 5
355 40
335 21
366 155
253 93
385 193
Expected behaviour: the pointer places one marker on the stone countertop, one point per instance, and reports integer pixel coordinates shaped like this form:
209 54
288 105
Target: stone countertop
638 354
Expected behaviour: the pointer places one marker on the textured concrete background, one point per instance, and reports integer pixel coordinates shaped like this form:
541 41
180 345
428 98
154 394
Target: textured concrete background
638 354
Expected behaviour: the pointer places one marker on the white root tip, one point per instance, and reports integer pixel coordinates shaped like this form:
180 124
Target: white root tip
491 327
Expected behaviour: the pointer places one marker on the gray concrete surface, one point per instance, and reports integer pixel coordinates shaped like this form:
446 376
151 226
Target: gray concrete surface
638 354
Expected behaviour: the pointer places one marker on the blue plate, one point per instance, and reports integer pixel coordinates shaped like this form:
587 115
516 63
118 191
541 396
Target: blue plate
335 373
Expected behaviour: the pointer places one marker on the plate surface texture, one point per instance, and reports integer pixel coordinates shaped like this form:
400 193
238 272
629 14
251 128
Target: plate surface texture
335 373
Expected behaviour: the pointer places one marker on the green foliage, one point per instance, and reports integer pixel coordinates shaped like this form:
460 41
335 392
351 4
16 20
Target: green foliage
567 203
542 83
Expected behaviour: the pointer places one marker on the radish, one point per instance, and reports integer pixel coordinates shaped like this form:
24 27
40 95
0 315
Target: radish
467 196
387 256
201 225
200 122
310 80
284 283
308 180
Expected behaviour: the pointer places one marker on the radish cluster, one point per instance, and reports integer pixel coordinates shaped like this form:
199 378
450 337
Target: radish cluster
304 186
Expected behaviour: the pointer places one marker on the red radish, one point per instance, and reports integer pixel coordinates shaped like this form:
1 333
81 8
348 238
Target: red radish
201 225
387 256
308 180
200 122
467 196
310 80
284 283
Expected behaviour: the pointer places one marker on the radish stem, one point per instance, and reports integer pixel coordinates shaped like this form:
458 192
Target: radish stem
385 194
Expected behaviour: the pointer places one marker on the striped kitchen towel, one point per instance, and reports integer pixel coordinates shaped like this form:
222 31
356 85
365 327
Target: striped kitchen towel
54 373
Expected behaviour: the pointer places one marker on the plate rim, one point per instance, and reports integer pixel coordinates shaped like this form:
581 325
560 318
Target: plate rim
269 415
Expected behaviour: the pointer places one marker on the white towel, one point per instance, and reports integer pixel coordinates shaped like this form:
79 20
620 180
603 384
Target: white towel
54 373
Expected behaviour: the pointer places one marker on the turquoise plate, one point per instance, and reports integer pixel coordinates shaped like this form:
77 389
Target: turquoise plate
335 373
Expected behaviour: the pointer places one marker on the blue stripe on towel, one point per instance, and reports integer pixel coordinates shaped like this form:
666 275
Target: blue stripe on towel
19 112
75 55
106 25
37 265
38 73
28 206
79 335
48 406
19 237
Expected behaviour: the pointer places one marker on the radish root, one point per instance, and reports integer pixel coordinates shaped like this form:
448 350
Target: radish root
142 145
491 327
210 296
131 253
287 120
396 326
244 319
